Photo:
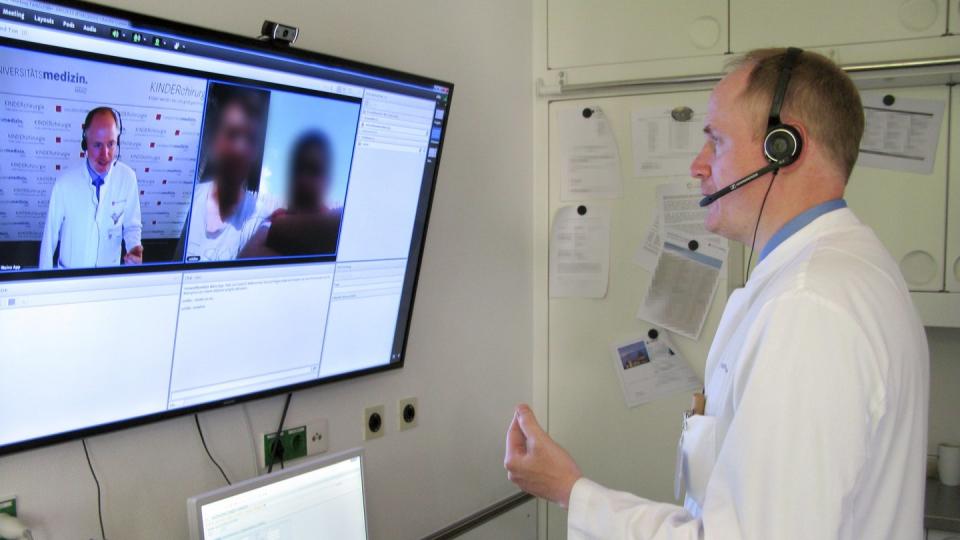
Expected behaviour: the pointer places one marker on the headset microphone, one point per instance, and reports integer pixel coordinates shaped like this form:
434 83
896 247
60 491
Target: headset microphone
782 143
709 199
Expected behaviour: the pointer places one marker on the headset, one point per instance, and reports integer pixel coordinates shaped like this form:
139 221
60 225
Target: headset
86 123
782 143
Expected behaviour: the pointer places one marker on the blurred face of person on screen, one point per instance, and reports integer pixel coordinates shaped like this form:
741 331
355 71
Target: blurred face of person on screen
310 174
732 149
102 134
235 145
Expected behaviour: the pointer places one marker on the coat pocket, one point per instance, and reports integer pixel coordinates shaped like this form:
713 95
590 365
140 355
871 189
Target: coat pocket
698 454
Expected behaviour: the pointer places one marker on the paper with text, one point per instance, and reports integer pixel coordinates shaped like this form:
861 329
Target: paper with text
580 252
663 145
682 289
651 369
678 213
902 136
589 156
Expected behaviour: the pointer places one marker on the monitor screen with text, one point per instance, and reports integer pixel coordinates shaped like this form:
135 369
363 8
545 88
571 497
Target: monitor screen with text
317 500
190 218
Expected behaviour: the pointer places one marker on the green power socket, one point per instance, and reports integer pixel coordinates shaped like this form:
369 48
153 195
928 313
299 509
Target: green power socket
294 441
9 506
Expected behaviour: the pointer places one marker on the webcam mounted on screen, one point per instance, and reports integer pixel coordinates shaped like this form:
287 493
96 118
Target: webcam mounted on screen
279 33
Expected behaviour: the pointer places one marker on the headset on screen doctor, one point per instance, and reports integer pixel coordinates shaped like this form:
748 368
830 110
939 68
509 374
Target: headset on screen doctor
86 123
782 143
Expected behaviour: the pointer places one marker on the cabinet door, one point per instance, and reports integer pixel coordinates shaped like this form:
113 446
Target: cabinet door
595 32
907 210
775 23
953 205
954 16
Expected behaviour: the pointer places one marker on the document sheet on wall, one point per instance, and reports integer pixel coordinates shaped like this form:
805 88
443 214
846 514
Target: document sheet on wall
651 369
689 265
902 136
590 158
677 211
665 141
580 252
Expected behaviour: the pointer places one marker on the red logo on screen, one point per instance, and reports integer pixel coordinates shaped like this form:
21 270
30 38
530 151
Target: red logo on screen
57 166
58 140
158 116
158 203
83 154
141 192
154 222
153 145
169 158
164 181
59 109
146 169
177 133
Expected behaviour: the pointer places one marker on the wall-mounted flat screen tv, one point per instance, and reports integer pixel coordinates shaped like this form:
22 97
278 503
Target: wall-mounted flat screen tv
190 218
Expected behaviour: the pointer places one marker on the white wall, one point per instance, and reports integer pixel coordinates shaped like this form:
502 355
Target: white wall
469 354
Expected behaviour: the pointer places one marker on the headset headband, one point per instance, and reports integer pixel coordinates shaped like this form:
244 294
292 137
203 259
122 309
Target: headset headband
789 62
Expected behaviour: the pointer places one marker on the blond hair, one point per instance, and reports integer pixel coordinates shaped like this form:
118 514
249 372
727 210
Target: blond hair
820 95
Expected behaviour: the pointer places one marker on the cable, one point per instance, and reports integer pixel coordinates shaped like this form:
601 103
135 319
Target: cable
96 481
276 449
756 227
196 418
253 439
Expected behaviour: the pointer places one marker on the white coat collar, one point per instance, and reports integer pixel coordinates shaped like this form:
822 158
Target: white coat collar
828 223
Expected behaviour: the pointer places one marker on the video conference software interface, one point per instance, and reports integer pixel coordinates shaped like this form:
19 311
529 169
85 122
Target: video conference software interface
230 221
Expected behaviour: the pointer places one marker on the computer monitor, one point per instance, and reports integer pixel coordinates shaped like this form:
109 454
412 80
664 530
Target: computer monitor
315 500
190 218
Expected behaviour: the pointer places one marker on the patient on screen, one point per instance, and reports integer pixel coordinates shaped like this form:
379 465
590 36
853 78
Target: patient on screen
227 206
309 225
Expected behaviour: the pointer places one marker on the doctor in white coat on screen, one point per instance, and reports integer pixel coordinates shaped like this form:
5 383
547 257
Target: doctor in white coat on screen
815 425
96 206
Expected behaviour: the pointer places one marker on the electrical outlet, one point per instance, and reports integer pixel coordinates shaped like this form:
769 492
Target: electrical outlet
302 441
407 413
373 424
318 436
9 506
294 441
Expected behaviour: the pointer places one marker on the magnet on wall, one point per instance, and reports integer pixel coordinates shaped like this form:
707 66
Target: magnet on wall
653 334
582 210
889 100
693 245
587 112
682 114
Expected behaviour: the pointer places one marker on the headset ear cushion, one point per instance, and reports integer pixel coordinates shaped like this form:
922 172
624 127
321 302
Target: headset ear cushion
782 144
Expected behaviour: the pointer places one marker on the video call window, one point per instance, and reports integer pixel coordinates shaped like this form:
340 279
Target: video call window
153 167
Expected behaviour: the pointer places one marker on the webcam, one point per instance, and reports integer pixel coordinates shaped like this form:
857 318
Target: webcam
278 33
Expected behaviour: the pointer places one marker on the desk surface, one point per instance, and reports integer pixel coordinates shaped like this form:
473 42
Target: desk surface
941 507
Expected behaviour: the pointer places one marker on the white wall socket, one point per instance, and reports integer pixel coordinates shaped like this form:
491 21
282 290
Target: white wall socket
374 423
407 413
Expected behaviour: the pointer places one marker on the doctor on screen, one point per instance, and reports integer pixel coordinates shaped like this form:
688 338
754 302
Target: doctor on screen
817 381
94 210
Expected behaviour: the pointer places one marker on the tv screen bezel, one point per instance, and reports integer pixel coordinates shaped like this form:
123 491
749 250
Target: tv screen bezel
419 242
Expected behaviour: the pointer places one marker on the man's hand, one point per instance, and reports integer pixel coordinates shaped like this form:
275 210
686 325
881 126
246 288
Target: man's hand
134 256
536 463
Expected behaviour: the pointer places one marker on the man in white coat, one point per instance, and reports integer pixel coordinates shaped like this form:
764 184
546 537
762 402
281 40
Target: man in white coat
815 425
96 206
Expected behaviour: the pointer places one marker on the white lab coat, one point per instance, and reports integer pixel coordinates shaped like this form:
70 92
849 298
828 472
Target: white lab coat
816 414
89 233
